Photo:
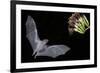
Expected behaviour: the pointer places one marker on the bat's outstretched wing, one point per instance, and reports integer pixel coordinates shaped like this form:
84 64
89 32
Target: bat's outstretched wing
31 33
53 51
39 47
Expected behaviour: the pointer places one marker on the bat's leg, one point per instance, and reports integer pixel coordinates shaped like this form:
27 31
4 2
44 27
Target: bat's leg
35 56
34 53
40 46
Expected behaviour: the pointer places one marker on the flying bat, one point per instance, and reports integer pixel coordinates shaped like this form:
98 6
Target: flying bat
40 47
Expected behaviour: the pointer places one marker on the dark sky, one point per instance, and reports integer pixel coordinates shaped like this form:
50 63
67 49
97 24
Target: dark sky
54 27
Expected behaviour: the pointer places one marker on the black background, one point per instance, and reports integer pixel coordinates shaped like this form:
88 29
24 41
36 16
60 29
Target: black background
54 27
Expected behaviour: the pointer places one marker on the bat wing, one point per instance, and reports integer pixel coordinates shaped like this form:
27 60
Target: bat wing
40 46
53 51
31 33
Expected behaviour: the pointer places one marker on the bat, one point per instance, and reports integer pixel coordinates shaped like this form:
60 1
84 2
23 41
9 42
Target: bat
40 47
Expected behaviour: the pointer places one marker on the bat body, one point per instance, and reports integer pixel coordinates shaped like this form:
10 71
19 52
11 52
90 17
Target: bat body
40 47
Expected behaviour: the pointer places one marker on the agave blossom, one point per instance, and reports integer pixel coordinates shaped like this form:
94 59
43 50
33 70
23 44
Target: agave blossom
78 23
